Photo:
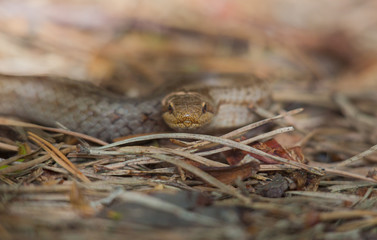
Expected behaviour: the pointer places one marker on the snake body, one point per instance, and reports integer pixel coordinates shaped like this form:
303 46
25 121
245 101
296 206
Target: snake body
88 109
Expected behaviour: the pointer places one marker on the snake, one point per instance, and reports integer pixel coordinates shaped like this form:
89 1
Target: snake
86 108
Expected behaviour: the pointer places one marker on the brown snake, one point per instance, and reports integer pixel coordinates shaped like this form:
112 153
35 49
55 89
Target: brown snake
88 109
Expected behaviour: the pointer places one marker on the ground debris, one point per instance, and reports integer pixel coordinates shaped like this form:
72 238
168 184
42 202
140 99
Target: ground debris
310 174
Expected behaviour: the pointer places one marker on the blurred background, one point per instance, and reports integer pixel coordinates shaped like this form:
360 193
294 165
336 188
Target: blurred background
321 44
320 55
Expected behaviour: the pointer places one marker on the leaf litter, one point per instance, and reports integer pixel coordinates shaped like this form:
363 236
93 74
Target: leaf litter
311 175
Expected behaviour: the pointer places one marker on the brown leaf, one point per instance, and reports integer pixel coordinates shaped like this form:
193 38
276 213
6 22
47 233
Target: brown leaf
272 147
229 174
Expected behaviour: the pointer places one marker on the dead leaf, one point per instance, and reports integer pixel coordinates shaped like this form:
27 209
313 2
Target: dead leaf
229 174
272 147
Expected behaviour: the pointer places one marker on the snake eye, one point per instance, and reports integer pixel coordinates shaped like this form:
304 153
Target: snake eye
204 107
170 108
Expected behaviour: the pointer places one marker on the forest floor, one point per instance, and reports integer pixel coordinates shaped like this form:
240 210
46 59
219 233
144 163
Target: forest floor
306 170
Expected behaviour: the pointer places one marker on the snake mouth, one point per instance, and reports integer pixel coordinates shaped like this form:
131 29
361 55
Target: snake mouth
187 125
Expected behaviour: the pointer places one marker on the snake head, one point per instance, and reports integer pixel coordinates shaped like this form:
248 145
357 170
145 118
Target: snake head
187 111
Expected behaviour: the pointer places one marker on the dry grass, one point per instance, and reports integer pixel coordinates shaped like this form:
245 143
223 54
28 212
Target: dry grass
320 184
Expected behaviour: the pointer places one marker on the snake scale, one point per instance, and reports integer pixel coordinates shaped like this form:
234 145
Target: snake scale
83 107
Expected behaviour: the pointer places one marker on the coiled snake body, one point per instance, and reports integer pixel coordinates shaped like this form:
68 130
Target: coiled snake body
91 110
